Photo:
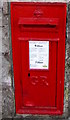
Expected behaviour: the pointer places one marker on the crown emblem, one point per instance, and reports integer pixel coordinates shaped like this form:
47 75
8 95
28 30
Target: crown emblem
38 12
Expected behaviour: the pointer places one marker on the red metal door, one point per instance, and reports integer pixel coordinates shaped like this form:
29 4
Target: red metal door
38 46
39 85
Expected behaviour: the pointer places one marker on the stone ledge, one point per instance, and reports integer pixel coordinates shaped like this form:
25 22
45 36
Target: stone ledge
65 1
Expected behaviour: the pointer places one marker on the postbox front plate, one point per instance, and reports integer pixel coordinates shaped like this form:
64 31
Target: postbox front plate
38 46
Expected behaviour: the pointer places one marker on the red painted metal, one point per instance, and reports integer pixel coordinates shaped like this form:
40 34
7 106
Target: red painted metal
38 91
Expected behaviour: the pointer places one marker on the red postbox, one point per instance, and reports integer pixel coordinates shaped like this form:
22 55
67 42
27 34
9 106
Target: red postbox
38 46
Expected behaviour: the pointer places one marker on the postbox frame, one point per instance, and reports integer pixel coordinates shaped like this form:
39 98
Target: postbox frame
18 83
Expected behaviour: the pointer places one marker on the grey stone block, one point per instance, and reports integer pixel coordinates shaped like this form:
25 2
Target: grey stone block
5 20
5 39
5 8
1 4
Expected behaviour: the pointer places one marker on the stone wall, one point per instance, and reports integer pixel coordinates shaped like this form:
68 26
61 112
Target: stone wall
68 51
0 60
8 106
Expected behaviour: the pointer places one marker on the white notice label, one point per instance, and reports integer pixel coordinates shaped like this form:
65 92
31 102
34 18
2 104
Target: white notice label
39 54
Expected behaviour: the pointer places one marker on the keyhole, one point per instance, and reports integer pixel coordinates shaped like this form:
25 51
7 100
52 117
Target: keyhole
28 74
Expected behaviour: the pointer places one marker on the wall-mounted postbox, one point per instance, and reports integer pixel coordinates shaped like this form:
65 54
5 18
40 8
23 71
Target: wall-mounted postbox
38 46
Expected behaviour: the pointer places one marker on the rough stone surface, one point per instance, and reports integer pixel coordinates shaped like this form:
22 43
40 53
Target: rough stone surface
40 0
5 8
68 60
8 105
0 60
8 101
6 65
